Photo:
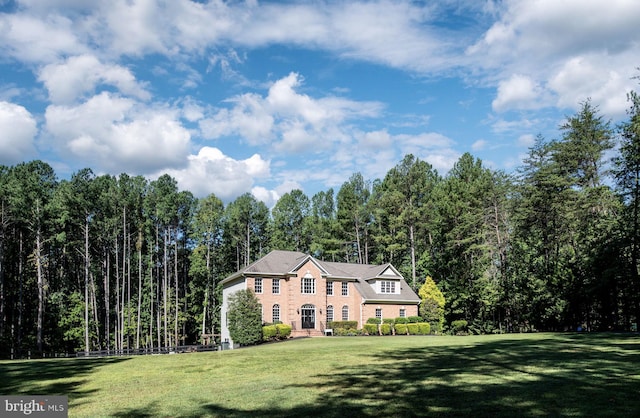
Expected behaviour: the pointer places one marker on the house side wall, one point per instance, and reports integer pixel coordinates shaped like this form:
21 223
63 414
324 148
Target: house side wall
228 290
388 310
352 300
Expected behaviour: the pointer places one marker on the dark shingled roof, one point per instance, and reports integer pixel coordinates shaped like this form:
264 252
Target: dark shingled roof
281 263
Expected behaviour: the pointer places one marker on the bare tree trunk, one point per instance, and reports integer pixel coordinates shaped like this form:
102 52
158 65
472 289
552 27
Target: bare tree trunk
105 261
86 284
165 288
40 276
412 243
177 307
139 248
117 327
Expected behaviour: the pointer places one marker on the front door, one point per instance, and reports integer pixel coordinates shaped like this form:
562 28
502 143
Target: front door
308 317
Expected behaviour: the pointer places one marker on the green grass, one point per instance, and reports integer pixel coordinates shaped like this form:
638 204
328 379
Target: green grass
581 375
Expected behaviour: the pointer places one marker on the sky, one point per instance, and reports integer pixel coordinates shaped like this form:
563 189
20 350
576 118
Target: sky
266 97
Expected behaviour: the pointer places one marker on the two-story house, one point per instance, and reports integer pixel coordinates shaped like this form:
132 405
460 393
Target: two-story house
306 293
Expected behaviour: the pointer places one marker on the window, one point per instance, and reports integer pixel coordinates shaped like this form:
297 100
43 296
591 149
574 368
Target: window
329 313
345 313
308 285
387 287
345 288
403 313
379 313
275 286
329 288
275 312
257 286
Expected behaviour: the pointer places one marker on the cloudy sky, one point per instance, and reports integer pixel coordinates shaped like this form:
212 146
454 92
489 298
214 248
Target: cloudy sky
264 97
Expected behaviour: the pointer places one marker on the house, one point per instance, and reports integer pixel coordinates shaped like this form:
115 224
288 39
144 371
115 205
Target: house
307 293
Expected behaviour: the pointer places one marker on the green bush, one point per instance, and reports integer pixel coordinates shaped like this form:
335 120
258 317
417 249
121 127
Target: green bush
401 329
424 328
389 321
269 332
371 329
385 329
400 320
413 328
373 321
347 332
350 325
414 319
283 331
459 327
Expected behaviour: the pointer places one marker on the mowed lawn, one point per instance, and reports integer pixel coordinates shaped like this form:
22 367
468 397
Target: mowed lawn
578 375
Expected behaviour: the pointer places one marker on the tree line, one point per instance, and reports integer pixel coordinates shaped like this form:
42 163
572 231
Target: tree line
116 262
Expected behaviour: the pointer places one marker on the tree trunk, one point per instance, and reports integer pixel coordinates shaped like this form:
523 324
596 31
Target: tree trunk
139 248
86 284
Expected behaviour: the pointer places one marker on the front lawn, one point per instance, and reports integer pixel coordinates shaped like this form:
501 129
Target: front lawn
581 375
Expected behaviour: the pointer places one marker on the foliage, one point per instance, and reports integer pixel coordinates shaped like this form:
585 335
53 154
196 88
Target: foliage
283 331
385 329
350 325
413 328
401 329
414 319
424 328
400 320
432 305
389 321
374 320
245 318
371 329
459 327
269 332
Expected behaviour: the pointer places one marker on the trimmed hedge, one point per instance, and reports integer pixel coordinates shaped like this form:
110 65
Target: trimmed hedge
373 321
414 319
350 325
371 329
385 329
401 329
400 320
413 328
284 331
389 321
424 328
276 332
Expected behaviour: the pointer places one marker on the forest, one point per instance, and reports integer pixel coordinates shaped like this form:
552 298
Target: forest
105 262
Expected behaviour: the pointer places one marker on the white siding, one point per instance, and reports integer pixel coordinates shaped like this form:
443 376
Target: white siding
228 290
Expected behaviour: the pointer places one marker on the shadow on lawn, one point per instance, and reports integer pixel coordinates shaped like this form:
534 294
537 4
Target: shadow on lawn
49 377
565 375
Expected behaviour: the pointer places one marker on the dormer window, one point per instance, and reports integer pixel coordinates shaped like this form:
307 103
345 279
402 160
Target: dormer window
387 286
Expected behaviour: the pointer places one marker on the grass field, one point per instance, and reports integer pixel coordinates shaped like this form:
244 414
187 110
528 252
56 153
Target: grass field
581 375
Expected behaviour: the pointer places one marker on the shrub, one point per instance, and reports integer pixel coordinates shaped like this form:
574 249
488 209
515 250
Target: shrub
283 331
401 329
345 332
351 325
389 321
373 321
245 318
424 328
414 319
413 328
400 320
459 327
371 329
385 329
269 332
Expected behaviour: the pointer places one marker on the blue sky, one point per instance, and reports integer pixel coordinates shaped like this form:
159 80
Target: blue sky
264 97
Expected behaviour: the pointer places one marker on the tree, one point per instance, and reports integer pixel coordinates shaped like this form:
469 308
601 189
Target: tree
245 318
290 224
354 218
432 305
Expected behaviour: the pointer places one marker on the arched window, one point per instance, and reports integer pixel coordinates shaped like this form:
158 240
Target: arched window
275 312
329 313
345 313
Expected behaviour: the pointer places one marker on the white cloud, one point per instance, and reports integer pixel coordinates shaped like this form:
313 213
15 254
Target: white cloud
210 171
526 140
479 145
76 76
518 92
33 40
291 121
114 134
18 129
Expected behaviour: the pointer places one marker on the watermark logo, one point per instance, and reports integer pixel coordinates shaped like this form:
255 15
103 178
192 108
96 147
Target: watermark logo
34 406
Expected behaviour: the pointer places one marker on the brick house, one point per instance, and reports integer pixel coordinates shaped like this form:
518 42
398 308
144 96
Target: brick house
306 293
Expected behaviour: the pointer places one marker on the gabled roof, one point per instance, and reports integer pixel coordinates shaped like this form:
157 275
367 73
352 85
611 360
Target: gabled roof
286 263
